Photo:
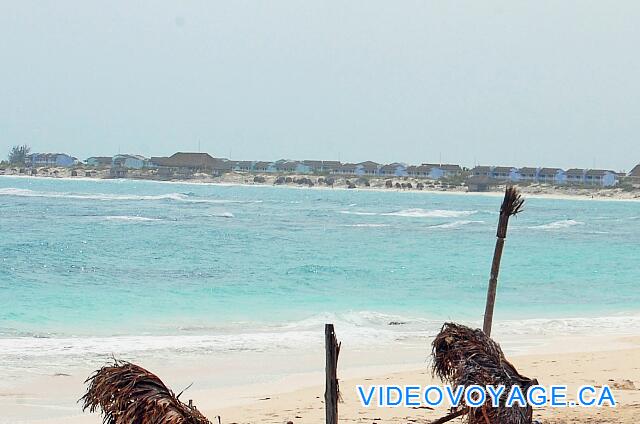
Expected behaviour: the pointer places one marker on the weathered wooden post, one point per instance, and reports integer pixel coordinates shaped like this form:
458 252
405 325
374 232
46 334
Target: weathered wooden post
511 205
332 390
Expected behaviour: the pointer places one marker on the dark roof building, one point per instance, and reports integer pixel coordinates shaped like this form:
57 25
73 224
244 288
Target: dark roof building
575 175
184 160
502 172
549 172
314 165
481 171
448 168
528 173
346 168
330 165
99 161
369 167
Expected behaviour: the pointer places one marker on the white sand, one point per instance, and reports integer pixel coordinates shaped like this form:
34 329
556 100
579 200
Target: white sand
277 398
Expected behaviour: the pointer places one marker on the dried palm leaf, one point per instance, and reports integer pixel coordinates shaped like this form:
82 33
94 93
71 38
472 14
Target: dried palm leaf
128 394
463 356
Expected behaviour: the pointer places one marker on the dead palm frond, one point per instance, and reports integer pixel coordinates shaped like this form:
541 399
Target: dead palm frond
129 394
511 205
463 356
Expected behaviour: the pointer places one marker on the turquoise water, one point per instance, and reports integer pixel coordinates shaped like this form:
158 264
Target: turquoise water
119 259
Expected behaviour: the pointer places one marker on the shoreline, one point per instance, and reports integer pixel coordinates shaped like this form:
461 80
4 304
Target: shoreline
542 191
297 396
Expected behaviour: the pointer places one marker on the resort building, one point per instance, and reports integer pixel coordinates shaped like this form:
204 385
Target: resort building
313 165
346 169
575 175
183 163
289 166
635 172
504 173
393 170
482 171
527 174
221 165
367 168
129 161
99 161
50 159
443 170
330 165
552 176
243 165
264 167
422 171
600 177
325 166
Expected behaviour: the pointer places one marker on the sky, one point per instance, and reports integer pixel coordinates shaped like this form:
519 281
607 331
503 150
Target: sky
518 83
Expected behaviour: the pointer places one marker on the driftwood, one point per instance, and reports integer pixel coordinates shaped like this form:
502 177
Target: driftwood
126 393
511 205
332 391
463 356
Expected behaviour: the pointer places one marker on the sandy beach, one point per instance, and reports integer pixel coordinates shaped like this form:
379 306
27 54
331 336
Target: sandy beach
298 397
536 190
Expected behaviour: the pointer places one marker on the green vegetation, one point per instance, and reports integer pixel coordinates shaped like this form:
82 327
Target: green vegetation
18 154
626 186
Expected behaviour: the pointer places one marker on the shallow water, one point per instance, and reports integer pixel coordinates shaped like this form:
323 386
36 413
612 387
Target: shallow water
93 267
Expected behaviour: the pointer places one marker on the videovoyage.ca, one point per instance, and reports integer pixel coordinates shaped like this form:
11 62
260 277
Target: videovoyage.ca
390 396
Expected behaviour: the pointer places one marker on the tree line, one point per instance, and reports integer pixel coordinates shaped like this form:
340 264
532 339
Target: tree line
18 154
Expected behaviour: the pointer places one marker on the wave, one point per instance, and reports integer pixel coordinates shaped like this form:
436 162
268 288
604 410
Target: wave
222 215
181 197
365 225
359 213
425 213
360 330
557 225
417 213
456 224
130 218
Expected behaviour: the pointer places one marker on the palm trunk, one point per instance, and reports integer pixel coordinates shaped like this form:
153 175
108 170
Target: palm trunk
511 205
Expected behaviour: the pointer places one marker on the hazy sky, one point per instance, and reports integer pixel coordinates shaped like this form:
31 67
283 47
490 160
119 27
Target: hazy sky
493 82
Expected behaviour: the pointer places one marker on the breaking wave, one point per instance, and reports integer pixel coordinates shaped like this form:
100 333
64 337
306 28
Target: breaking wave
361 329
130 218
557 225
417 213
359 213
180 197
425 213
222 215
456 224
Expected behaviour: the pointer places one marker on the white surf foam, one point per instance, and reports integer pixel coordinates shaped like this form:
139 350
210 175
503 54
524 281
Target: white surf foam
359 213
222 215
130 218
426 213
417 213
557 225
456 224
181 197
357 329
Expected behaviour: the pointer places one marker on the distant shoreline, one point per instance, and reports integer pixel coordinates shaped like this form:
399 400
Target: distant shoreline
377 184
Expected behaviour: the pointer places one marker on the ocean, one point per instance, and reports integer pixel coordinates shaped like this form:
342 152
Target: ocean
92 268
